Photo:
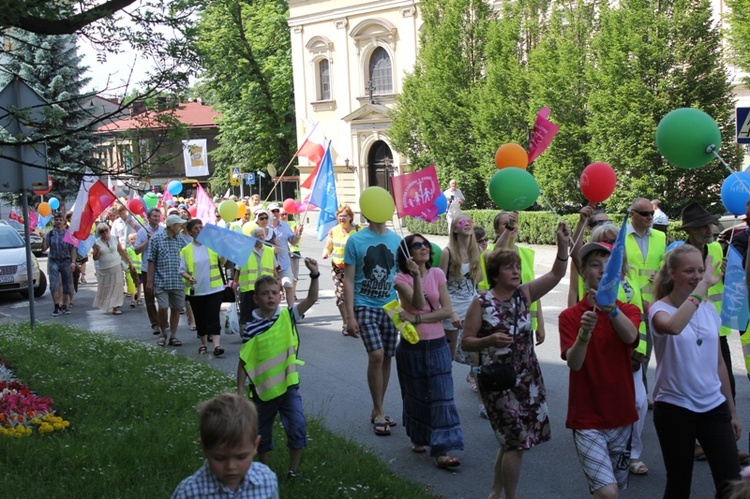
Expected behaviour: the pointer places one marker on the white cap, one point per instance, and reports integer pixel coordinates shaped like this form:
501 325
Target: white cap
273 206
174 219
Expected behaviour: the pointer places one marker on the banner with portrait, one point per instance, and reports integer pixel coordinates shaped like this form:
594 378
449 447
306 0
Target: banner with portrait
195 153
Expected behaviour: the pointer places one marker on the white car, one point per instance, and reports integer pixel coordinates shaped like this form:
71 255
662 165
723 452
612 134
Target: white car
13 276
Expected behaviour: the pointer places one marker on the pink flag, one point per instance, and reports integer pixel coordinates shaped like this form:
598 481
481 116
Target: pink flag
33 220
166 195
541 137
415 194
206 209
313 148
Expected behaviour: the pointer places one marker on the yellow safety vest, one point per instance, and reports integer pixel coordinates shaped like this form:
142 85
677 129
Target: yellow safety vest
251 272
271 358
648 267
214 271
632 278
293 247
339 237
527 275
135 258
716 292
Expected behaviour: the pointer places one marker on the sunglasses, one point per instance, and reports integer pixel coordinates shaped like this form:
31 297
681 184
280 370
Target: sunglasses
274 211
609 241
103 231
464 223
282 214
645 213
597 223
263 218
482 241
420 245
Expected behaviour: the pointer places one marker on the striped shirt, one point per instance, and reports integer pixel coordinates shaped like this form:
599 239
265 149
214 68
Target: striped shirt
258 483
260 324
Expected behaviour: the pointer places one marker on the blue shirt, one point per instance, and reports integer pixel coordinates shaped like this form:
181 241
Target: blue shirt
58 249
141 238
164 251
284 234
258 483
374 256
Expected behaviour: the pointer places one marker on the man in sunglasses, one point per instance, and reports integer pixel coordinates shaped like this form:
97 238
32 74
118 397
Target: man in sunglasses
645 248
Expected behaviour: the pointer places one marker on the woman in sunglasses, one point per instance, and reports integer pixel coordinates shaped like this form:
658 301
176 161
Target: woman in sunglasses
108 253
461 265
424 369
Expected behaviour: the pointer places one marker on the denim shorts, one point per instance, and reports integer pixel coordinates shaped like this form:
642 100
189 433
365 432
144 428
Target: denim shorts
59 271
289 409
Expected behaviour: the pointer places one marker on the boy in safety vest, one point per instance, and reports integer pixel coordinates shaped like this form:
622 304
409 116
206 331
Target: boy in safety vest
268 357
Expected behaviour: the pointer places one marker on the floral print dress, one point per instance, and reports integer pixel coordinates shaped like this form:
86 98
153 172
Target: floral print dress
519 416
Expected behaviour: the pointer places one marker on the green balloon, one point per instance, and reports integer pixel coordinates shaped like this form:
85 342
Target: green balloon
683 136
436 252
151 200
513 189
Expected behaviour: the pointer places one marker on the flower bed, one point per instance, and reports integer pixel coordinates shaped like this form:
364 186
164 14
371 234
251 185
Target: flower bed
21 411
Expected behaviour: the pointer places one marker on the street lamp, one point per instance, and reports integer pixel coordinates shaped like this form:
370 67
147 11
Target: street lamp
351 168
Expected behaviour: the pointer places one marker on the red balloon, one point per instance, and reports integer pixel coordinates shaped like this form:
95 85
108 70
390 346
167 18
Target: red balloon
289 206
598 182
193 210
137 206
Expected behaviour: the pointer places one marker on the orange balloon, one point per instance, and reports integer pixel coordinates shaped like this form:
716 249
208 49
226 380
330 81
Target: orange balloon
241 209
44 209
511 155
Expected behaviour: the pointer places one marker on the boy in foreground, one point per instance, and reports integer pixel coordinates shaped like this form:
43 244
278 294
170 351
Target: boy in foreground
269 359
229 441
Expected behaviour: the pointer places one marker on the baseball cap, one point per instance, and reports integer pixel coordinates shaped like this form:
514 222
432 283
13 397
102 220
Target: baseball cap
273 206
589 247
174 219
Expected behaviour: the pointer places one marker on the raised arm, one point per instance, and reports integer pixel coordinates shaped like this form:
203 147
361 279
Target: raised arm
541 286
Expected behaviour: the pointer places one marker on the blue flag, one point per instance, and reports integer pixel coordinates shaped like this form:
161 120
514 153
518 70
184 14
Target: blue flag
234 246
610 283
324 195
734 307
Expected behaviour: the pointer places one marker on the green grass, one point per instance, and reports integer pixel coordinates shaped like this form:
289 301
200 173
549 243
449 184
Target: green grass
133 425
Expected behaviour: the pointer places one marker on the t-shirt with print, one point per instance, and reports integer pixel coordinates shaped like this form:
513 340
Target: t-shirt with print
374 256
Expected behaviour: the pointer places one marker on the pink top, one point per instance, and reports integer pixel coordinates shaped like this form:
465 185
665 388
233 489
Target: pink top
431 287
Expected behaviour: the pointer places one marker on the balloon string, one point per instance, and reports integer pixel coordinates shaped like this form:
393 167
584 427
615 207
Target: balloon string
559 218
712 149
401 246
734 226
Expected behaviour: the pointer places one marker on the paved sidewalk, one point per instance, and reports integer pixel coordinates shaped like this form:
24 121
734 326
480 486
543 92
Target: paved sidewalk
334 389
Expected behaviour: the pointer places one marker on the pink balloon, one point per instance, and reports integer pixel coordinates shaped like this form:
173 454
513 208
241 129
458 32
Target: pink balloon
598 181
193 210
289 205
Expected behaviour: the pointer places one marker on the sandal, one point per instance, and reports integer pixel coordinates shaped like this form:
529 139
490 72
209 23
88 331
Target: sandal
472 382
444 462
218 351
117 311
202 350
139 302
388 421
418 449
132 304
161 341
382 429
174 342
193 328
637 467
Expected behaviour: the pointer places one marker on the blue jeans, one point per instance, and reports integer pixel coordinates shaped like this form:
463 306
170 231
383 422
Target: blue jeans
59 270
289 408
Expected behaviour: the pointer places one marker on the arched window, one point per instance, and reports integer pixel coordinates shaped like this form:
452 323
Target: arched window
381 72
324 80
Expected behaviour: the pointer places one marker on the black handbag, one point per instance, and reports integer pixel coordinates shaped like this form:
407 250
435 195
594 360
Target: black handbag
498 377
228 295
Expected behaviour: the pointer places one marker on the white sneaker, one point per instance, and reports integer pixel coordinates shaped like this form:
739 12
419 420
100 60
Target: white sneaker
483 412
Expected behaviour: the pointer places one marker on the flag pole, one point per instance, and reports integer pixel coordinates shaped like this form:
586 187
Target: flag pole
133 214
307 208
270 193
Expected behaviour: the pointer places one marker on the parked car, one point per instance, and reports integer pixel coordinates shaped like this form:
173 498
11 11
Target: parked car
13 275
34 238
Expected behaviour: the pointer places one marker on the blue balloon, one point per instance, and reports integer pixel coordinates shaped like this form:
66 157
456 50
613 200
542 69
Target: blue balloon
735 191
442 204
54 203
174 187
674 244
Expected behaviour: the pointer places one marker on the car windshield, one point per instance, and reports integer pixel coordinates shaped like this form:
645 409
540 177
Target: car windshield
9 238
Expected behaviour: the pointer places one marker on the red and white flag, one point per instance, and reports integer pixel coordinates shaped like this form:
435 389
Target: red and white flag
541 137
15 216
93 198
313 148
415 194
205 208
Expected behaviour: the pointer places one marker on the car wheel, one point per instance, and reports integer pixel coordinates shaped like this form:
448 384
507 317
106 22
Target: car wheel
40 290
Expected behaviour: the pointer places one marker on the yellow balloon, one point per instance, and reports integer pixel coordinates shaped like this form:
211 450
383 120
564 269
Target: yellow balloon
248 227
228 210
241 209
377 204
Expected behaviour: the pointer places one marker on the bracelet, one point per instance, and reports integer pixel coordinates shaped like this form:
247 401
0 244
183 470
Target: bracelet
614 313
581 340
314 276
562 259
696 295
695 301
417 319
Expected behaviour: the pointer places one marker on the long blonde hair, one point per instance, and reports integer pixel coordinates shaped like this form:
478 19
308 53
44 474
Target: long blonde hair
454 263
663 283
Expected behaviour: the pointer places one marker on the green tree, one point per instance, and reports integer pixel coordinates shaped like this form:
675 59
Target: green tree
432 120
651 58
246 52
51 66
